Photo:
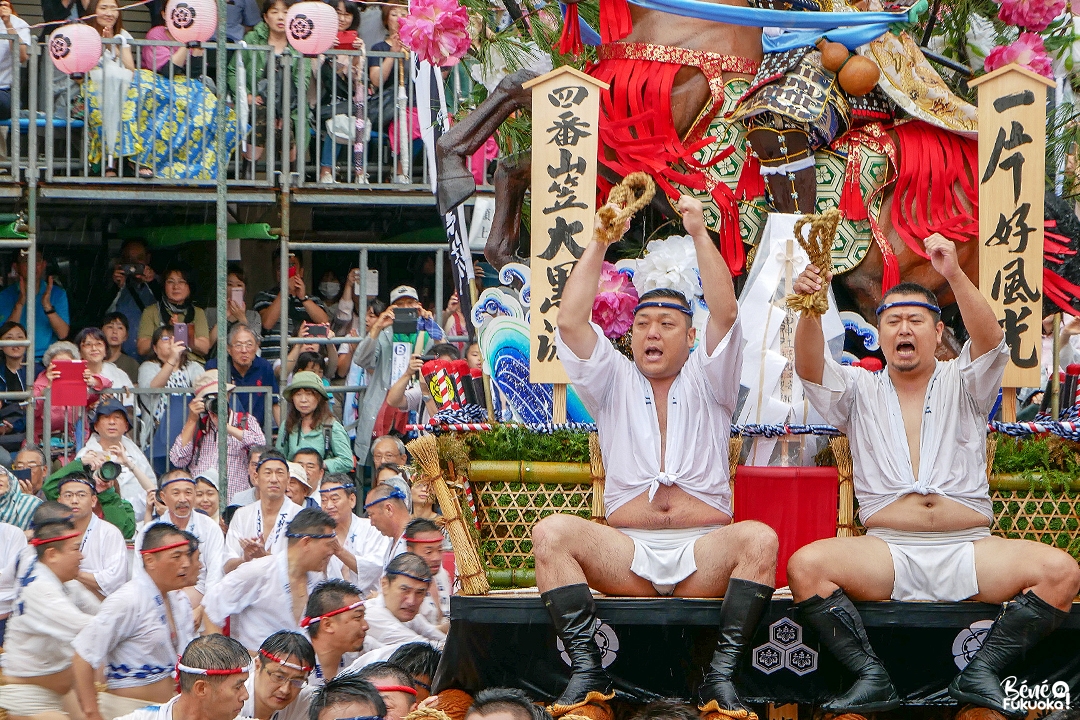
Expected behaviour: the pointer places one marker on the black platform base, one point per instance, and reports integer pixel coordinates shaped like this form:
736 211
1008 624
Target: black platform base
656 648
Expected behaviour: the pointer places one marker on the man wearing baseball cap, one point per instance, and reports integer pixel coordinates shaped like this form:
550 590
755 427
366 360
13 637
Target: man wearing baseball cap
375 354
109 443
300 488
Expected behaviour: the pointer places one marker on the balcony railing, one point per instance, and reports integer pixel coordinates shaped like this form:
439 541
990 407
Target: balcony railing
122 126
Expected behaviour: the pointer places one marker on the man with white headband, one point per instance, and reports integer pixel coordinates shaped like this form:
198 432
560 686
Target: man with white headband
139 631
664 421
359 558
387 506
918 441
46 617
270 593
105 565
177 491
212 677
335 621
277 689
394 616
258 529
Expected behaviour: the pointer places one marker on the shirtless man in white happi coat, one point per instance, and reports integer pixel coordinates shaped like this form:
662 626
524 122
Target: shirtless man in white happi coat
918 441
663 422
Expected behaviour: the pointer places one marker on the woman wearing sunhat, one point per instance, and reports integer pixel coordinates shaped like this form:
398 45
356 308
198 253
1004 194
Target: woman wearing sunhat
309 423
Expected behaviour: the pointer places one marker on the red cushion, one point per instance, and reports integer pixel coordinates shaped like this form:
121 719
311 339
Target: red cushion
799 503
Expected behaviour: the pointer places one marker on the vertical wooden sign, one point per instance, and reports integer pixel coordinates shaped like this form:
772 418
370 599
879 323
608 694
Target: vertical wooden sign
565 115
1012 158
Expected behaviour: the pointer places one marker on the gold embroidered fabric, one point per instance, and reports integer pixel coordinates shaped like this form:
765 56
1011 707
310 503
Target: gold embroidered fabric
912 83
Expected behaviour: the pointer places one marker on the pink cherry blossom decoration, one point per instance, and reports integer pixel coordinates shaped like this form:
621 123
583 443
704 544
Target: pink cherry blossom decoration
613 309
1028 51
1030 14
437 31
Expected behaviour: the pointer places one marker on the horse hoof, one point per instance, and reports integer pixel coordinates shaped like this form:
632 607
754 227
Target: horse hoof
454 190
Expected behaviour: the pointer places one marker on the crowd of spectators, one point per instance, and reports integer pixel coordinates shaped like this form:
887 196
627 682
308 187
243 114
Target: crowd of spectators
147 400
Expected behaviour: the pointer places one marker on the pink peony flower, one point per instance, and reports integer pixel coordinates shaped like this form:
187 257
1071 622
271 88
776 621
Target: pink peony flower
1028 51
1030 14
437 31
613 309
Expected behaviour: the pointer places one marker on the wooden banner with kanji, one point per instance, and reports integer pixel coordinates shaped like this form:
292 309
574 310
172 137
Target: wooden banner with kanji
565 115
1012 159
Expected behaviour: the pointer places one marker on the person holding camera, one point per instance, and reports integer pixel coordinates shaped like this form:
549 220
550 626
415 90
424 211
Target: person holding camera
51 304
138 287
375 355
116 457
196 447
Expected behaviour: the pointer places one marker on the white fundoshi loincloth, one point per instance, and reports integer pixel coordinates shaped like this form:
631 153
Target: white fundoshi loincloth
665 557
932 566
26 699
114 706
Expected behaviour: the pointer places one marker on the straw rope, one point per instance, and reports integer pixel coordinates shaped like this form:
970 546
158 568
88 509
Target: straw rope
634 192
818 246
845 514
473 578
596 470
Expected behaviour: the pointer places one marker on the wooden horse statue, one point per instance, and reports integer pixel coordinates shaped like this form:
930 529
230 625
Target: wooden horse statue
701 69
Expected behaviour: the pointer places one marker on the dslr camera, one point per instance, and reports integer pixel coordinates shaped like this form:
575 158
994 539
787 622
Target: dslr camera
133 269
109 471
210 404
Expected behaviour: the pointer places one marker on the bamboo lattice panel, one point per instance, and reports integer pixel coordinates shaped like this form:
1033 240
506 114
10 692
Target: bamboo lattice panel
508 510
1045 515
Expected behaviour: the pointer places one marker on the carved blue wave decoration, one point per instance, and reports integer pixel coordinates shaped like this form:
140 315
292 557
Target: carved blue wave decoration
504 342
855 323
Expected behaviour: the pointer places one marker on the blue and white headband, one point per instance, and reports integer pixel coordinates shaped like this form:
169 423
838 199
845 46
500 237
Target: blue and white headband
665 305
908 303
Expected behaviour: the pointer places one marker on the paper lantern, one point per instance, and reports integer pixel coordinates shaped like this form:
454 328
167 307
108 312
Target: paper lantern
191 21
311 27
75 48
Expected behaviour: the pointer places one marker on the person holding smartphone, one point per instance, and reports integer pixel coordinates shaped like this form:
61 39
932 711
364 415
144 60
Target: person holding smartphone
302 306
176 308
238 311
375 355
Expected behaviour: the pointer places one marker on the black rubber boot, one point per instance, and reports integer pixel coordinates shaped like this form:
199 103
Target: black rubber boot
744 604
573 612
841 630
1025 621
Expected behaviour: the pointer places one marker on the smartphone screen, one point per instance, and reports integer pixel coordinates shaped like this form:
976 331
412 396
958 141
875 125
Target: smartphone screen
180 334
318 330
236 294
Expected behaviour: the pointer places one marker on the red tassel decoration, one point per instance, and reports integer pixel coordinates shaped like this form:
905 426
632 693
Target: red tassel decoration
852 204
731 244
615 22
751 183
570 40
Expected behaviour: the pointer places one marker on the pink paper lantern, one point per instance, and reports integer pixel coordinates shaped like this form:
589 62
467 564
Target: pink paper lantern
191 21
312 27
75 48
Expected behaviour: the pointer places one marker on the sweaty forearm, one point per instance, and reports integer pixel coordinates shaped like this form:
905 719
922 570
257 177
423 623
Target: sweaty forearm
978 316
718 289
810 349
